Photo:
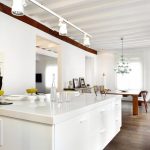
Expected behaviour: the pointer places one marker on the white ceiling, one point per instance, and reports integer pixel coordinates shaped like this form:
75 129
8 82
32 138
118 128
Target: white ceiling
106 20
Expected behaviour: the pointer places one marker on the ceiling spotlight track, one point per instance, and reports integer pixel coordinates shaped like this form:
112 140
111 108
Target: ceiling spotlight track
18 10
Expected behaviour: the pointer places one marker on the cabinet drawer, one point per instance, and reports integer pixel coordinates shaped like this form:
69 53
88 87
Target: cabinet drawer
72 134
97 140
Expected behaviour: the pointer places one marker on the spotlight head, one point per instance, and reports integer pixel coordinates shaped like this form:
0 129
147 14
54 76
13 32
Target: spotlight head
86 40
62 27
18 7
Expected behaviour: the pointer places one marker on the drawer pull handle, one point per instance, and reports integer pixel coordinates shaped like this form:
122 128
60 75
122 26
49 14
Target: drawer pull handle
1 132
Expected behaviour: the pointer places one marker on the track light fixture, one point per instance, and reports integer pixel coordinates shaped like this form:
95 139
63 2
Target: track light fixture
62 27
18 10
18 7
86 40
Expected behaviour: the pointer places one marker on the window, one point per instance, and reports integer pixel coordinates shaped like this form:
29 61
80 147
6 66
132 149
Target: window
50 70
133 80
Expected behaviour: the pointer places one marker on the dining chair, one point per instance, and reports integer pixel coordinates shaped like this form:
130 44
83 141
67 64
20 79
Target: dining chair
142 98
100 89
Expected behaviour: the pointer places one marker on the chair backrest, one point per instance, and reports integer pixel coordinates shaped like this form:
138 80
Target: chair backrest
143 94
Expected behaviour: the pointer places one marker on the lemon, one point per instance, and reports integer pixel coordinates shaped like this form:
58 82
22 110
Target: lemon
1 92
31 91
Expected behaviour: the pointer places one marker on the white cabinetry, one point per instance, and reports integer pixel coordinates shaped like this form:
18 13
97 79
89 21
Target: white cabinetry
1 132
92 129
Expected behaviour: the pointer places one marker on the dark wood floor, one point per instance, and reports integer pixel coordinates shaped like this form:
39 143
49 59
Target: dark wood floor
135 131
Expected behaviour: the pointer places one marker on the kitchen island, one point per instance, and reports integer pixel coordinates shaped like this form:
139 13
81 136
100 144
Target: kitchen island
87 122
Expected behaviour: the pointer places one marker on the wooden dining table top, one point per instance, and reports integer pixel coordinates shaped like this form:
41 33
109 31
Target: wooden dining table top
127 93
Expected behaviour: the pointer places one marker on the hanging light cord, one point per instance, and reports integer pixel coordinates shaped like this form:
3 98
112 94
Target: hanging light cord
122 47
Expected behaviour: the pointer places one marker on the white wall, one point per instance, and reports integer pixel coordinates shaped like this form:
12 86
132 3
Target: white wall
106 63
89 69
146 73
18 45
73 63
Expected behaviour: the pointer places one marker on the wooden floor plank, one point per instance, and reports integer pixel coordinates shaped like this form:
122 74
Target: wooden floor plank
135 131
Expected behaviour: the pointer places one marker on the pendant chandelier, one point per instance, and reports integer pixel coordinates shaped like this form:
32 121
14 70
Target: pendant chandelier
122 66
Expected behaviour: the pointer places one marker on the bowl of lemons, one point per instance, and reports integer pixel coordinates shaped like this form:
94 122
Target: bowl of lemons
31 91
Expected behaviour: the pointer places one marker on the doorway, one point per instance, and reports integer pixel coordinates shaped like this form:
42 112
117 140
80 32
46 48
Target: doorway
46 64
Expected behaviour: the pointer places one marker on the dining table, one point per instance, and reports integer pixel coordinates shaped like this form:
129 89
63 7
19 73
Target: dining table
133 93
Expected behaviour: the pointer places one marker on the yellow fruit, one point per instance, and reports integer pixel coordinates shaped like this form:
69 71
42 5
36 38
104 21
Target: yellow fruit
1 92
31 91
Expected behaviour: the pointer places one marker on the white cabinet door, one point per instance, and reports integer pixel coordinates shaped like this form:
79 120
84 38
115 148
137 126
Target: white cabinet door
97 134
108 123
24 135
1 132
72 134
117 114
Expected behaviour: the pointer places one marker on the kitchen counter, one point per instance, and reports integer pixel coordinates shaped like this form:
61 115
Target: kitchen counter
51 112
86 122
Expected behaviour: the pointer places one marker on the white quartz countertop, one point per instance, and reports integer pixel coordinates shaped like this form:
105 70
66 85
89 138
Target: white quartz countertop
44 111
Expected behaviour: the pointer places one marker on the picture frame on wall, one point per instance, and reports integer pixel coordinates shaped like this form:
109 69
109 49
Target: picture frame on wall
75 83
82 82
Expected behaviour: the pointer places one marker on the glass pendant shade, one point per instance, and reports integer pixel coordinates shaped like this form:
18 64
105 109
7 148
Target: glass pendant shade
18 7
122 66
86 40
62 27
